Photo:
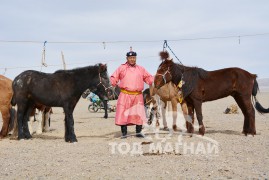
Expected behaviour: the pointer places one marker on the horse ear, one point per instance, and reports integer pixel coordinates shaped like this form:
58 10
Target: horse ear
102 67
164 55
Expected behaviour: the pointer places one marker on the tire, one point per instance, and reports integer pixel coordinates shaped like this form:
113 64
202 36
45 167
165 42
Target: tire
95 107
90 108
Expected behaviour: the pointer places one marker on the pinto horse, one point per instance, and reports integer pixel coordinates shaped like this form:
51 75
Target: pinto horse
60 89
7 112
41 114
201 86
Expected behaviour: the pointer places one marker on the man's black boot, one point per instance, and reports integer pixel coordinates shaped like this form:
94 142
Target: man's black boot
138 129
124 131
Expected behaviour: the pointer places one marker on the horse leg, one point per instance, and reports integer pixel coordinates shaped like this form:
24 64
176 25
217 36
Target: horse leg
26 131
150 117
198 110
15 128
249 114
45 120
105 107
20 117
69 126
190 119
30 124
155 111
174 108
163 107
188 116
39 117
5 111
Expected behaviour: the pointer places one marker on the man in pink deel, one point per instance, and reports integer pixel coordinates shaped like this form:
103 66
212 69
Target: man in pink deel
130 104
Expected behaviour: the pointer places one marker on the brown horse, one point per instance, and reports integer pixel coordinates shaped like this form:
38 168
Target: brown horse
201 86
168 92
5 104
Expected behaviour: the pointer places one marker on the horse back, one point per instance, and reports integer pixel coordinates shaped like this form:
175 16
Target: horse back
43 88
224 82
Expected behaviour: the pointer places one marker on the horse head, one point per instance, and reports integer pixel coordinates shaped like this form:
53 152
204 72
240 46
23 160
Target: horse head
103 88
163 74
115 93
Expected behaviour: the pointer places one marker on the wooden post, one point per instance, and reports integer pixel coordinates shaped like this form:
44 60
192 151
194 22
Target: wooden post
63 60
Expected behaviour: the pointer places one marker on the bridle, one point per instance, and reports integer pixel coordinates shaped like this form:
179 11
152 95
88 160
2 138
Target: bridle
107 88
164 74
100 83
114 93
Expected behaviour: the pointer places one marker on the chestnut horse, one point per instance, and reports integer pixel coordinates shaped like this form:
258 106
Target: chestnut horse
201 86
5 104
168 92
60 89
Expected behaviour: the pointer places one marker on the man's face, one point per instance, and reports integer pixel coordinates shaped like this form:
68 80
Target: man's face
131 60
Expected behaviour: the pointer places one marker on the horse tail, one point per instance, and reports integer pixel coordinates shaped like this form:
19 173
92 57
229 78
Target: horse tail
257 105
12 119
13 101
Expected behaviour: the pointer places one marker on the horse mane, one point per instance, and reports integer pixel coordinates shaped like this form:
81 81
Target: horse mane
146 91
191 75
91 68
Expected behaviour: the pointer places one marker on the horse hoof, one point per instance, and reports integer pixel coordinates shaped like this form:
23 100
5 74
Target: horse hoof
165 129
46 130
71 140
190 130
38 132
28 136
105 117
249 131
20 139
175 127
202 130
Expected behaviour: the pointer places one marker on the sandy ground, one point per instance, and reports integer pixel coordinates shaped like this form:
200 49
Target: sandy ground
223 153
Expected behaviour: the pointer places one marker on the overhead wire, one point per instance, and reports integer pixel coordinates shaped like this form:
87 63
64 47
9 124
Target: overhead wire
115 42
134 41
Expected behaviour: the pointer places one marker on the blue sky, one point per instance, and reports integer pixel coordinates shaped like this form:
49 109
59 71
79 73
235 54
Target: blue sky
142 24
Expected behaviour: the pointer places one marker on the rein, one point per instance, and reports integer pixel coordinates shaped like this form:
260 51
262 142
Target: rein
163 75
106 88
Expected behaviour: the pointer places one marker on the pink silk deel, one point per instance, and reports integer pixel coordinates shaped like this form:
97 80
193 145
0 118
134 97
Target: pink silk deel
130 108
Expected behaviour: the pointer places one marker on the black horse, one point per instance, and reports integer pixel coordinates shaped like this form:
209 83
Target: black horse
114 96
60 89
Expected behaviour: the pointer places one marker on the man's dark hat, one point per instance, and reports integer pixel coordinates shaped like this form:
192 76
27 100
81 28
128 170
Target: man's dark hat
131 53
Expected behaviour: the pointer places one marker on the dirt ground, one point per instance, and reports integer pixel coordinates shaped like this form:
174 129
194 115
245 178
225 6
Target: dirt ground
223 153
